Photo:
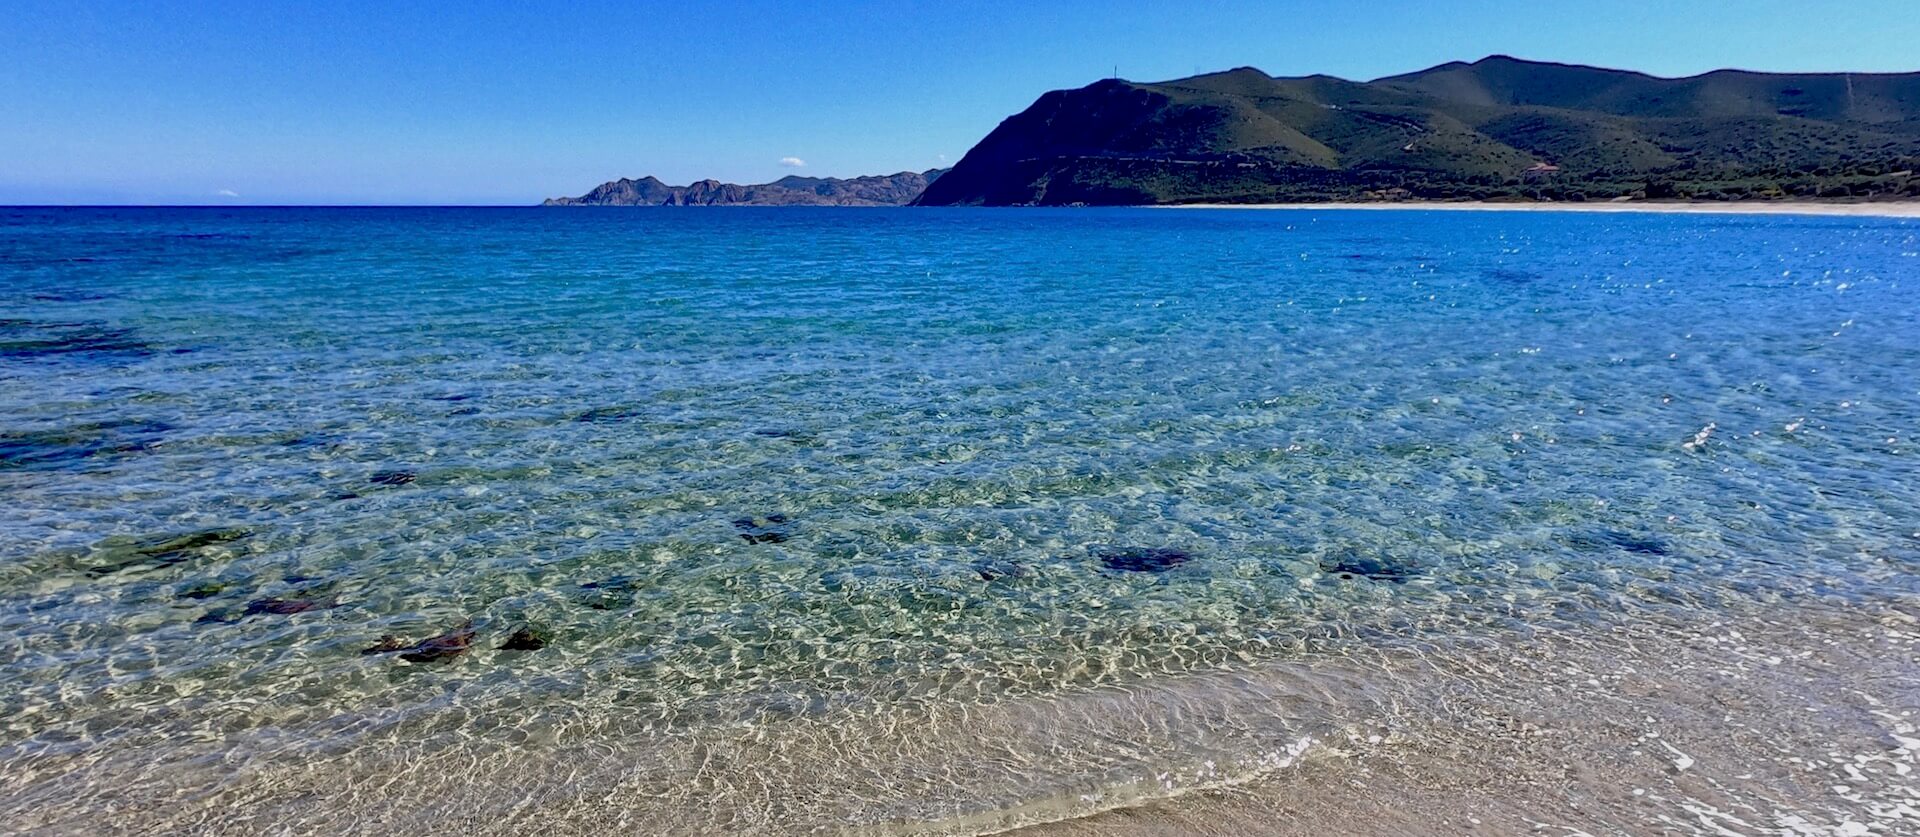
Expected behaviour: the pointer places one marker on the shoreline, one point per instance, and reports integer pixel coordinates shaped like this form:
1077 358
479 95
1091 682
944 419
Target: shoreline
1784 721
1890 209
1785 718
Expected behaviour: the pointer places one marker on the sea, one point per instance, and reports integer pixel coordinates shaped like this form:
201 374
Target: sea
956 521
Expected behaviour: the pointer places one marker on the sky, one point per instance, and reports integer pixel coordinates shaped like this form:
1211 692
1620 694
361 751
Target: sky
479 102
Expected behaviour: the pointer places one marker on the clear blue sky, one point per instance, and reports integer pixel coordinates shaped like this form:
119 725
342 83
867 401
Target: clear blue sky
409 101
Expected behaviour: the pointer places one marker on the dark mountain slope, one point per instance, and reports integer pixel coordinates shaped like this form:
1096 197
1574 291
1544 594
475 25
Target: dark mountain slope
1497 127
1502 80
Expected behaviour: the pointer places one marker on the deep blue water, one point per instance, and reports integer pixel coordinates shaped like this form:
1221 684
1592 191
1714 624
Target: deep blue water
748 465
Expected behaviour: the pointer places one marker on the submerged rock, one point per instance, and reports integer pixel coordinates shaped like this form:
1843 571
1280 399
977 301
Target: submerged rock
1141 559
119 555
432 649
68 296
20 339
392 478
795 437
607 594
1513 277
994 569
609 415
443 647
65 447
387 644
1618 539
191 542
286 607
1369 567
774 530
202 590
525 639
1642 545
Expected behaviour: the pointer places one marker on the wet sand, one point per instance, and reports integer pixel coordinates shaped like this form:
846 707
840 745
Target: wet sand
1791 726
1891 209
1799 721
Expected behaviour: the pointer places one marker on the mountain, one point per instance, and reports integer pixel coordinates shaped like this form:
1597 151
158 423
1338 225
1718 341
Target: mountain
1497 128
876 190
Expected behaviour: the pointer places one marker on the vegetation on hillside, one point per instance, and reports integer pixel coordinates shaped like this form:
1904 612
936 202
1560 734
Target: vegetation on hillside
1500 128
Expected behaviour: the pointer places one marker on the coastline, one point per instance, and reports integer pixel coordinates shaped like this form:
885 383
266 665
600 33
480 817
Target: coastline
1789 720
1889 209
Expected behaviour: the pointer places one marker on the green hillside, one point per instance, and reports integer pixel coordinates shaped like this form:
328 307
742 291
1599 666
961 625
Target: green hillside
1497 128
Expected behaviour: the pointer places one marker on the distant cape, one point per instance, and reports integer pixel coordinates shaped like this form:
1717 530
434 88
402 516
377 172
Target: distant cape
873 190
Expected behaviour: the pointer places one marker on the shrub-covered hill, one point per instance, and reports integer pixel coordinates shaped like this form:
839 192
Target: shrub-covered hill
1499 127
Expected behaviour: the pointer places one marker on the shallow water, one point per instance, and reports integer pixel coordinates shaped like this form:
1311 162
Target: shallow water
862 518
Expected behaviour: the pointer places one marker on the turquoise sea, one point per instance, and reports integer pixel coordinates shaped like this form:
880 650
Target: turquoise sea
880 519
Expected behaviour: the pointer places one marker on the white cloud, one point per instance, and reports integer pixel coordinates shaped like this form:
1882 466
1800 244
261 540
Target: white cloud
792 162
227 193
943 158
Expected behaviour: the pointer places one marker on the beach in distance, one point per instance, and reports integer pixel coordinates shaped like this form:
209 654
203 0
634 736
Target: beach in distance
1879 209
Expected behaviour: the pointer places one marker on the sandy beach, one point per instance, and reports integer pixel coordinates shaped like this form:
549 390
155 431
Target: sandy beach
1891 209
1789 720
1801 722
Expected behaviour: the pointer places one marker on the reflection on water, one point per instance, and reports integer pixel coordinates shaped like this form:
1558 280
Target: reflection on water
907 516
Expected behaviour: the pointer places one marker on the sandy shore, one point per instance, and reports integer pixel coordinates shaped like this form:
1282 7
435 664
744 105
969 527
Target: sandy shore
1896 209
1801 726
1794 720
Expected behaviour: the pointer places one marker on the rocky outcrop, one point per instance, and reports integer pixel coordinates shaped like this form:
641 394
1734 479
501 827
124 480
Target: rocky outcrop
873 190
